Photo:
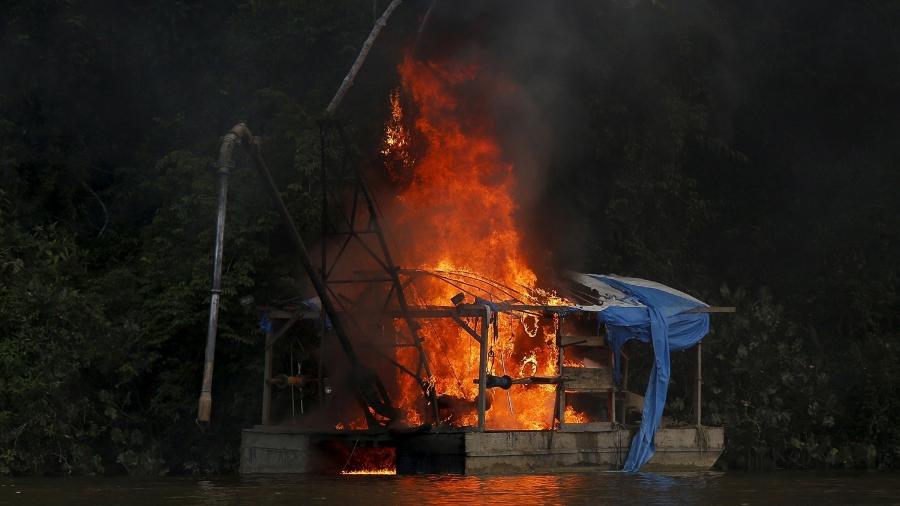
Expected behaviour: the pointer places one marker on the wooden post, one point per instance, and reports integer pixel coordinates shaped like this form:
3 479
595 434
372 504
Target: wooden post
560 387
482 368
612 363
267 375
699 383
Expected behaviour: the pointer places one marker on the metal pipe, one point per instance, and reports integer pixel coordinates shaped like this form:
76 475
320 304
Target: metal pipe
482 367
506 382
225 164
496 328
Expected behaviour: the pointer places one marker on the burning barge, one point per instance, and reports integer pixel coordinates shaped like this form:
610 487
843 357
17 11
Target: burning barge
461 364
500 380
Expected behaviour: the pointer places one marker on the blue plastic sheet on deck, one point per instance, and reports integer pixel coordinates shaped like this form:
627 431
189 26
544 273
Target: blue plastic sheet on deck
653 313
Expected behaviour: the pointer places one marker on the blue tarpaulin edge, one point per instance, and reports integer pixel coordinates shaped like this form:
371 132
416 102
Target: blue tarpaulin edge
663 323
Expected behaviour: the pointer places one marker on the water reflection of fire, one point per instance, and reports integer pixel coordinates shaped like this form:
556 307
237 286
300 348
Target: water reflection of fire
367 460
456 209
372 471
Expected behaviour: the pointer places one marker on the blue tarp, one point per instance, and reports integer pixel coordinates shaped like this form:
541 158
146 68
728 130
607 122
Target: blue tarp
635 308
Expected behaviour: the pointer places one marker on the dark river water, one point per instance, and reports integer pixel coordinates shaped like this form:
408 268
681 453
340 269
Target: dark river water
596 488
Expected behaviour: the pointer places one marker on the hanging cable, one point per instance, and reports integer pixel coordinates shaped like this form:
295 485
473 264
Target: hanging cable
355 442
293 418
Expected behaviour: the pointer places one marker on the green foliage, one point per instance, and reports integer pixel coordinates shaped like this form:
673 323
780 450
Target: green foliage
107 206
764 381
57 342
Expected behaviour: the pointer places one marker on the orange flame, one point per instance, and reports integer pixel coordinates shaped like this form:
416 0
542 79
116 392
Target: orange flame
573 416
396 146
359 460
457 209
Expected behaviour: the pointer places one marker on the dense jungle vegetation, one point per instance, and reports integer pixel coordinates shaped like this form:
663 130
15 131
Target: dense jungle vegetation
745 152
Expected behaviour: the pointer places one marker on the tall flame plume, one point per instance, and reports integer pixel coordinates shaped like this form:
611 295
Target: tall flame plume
457 208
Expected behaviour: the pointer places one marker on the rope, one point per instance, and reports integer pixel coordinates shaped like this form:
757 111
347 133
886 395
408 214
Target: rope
355 442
